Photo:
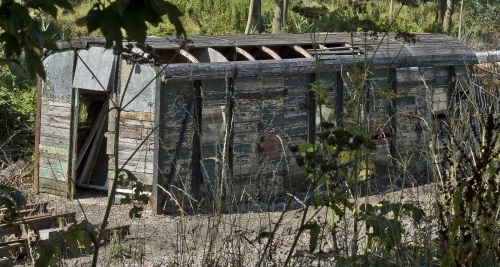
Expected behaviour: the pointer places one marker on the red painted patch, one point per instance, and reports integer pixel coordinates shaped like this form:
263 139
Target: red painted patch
272 147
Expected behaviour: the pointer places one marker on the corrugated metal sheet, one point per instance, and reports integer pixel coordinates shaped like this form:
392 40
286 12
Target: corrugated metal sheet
143 79
59 68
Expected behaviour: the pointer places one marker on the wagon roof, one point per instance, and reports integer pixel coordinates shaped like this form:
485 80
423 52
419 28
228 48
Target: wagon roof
335 50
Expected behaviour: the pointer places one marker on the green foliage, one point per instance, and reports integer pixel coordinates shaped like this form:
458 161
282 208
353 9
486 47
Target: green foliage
132 16
23 36
474 30
13 201
128 179
17 111
200 18
344 15
384 222
470 187
78 236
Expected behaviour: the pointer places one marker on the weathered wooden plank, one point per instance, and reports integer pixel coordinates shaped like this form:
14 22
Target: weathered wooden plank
145 161
144 117
147 124
55 132
247 127
36 222
53 172
54 150
55 121
54 141
56 111
52 103
59 166
137 167
246 138
54 156
55 185
132 143
145 155
296 130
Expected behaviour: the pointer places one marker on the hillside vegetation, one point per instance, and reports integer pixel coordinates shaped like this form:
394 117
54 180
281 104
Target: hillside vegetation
332 224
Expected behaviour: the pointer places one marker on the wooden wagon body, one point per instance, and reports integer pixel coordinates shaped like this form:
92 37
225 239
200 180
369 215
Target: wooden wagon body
225 109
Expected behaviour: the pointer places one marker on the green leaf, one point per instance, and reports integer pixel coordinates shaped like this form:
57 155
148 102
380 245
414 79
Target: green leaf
174 15
456 224
45 6
11 44
135 27
50 44
72 241
125 200
34 64
336 209
135 212
130 176
314 237
18 198
46 256
305 146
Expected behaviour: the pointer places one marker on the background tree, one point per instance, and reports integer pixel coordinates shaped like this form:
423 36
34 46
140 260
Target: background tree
448 15
254 22
280 13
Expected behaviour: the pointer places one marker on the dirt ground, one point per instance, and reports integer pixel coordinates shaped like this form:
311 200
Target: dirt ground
236 239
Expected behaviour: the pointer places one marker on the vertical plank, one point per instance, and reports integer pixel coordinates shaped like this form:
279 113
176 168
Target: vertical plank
75 112
38 117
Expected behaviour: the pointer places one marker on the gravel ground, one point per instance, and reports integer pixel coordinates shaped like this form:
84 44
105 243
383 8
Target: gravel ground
210 239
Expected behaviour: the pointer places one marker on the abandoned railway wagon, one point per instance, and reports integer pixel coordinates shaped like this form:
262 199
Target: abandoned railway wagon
224 110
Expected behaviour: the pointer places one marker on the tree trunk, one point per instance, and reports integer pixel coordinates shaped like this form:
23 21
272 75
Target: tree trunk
254 22
447 16
285 13
278 15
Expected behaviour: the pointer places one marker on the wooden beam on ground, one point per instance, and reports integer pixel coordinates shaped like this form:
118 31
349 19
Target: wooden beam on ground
36 222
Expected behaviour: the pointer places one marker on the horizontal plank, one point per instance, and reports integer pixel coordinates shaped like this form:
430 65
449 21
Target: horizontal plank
49 102
137 123
53 173
34 207
54 156
60 166
36 222
54 150
52 141
52 119
51 184
143 117
139 166
54 131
